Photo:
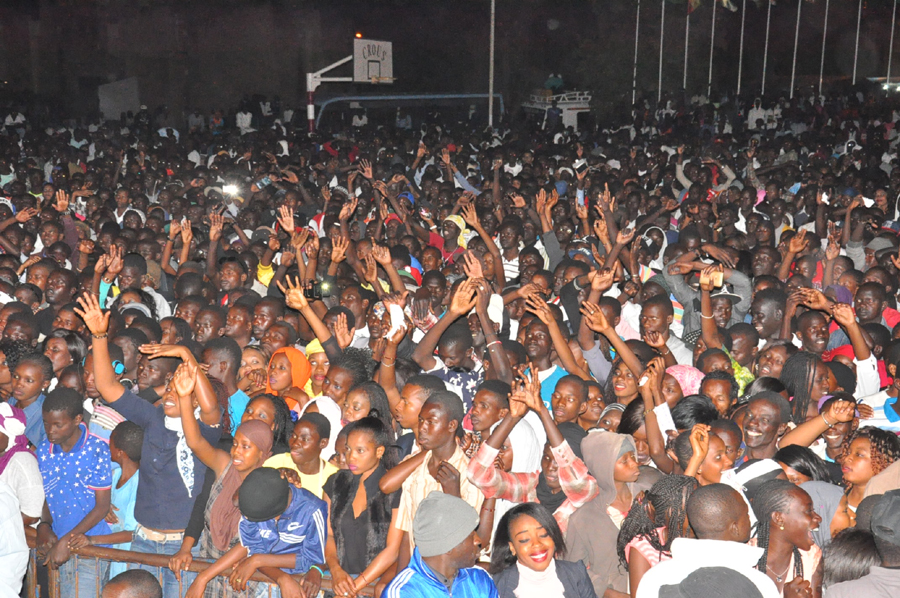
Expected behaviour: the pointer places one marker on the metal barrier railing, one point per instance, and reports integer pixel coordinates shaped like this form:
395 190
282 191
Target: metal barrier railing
101 555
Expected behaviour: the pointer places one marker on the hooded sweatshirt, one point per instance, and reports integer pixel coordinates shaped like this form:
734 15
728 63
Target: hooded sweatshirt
592 535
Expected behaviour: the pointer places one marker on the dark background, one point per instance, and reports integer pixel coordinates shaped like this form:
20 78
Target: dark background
208 54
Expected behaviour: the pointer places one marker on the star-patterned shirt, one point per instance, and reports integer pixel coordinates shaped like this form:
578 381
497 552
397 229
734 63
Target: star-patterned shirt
462 383
71 480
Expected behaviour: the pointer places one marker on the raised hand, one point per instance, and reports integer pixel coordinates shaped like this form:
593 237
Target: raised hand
187 235
815 299
843 314
471 266
371 272
624 237
185 378
342 333
62 201
348 209
116 261
445 156
293 293
286 219
217 223
365 168
536 305
464 299
94 318
798 242
594 318
174 229
654 339
26 215
700 440
470 216
339 248
602 280
381 254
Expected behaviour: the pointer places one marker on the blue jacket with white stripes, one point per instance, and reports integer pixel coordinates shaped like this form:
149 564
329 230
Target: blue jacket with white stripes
419 581
300 530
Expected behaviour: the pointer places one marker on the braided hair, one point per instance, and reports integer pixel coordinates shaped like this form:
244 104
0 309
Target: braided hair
773 496
884 447
798 376
668 498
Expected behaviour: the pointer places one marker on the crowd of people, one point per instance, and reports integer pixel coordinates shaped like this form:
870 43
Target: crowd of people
655 360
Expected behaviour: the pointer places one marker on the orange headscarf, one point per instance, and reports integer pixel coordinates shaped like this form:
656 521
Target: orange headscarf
300 368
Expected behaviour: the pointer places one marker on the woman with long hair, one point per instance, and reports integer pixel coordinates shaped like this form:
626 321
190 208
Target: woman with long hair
274 412
656 518
526 559
787 519
362 544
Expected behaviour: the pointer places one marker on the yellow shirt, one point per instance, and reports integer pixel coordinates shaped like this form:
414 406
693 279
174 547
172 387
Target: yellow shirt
313 482
420 484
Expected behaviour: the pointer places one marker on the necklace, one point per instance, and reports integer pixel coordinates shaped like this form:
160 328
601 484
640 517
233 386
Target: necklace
779 578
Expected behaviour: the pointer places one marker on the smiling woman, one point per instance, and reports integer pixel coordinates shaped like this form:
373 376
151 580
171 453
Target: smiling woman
524 561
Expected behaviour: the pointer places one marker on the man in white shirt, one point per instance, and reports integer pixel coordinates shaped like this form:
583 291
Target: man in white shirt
721 521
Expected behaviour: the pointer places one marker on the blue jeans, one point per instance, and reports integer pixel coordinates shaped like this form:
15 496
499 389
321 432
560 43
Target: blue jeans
170 547
92 576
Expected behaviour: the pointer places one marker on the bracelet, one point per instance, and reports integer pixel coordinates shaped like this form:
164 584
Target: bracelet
830 425
106 281
364 578
104 335
496 342
40 523
317 568
666 353
706 317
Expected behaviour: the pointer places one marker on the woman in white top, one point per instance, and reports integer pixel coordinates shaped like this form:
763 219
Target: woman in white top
18 465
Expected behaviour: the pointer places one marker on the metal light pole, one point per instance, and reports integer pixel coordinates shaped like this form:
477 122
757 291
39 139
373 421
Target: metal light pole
687 32
856 46
824 35
766 51
712 45
491 68
796 40
637 30
662 28
887 79
741 50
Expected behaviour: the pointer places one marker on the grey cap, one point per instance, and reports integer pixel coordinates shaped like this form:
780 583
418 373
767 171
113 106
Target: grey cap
442 521
886 518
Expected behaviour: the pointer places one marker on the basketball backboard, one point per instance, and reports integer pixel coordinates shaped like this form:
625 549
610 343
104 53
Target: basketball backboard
373 61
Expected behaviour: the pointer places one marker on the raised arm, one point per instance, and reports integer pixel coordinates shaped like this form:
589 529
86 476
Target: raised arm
295 299
210 414
98 323
184 383
597 322
462 303
536 305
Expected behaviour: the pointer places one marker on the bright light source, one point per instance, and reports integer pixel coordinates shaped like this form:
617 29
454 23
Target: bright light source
230 189
358 35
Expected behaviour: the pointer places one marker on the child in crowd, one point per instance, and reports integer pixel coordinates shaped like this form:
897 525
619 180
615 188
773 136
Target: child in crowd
308 440
75 466
283 531
30 381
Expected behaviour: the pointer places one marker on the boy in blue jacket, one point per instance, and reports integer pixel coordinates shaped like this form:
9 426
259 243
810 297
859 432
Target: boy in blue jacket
282 533
443 562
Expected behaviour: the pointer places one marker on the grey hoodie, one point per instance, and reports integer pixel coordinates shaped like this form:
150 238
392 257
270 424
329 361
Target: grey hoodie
592 535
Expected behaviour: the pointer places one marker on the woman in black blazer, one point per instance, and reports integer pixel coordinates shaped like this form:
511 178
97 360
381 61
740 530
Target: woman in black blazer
524 559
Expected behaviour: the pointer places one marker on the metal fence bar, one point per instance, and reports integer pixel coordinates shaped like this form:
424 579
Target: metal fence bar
113 555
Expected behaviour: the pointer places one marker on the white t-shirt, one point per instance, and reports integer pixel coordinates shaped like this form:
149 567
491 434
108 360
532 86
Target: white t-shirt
24 477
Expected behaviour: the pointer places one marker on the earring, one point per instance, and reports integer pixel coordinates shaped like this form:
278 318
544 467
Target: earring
781 527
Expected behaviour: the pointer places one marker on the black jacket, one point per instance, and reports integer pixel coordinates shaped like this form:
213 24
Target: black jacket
574 578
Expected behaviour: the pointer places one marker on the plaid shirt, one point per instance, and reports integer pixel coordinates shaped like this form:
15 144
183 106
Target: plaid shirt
579 486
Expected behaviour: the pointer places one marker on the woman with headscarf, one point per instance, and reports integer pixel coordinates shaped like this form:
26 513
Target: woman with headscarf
252 445
289 371
688 377
562 483
18 465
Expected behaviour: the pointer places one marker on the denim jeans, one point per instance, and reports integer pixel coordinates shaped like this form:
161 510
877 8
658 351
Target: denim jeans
170 547
92 576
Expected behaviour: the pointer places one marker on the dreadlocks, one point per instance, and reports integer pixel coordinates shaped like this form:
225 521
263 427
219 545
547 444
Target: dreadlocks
798 376
773 496
668 497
